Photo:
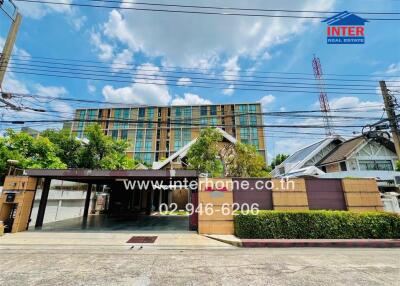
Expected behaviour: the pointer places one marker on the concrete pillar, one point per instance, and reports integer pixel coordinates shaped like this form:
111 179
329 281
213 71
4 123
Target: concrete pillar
150 199
87 201
43 203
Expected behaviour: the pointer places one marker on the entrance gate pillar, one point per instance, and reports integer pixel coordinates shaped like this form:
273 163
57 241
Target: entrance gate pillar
43 203
215 206
87 200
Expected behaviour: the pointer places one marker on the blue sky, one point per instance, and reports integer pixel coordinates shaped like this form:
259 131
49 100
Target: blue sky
235 46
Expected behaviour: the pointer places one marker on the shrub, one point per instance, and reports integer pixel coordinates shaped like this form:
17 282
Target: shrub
317 224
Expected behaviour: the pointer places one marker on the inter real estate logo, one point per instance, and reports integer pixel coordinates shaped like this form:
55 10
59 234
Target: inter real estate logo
345 28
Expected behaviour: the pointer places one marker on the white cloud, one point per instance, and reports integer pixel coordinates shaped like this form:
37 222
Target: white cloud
52 91
91 88
232 69
229 90
39 10
184 81
152 90
393 68
105 50
13 84
354 102
189 99
266 100
65 109
212 38
122 60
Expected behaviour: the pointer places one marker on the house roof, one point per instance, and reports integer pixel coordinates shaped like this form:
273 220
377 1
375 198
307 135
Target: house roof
299 158
345 150
345 19
183 151
341 152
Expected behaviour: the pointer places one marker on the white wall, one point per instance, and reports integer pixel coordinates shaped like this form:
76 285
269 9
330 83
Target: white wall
62 203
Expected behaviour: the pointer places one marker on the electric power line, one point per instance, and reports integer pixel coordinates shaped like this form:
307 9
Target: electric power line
200 12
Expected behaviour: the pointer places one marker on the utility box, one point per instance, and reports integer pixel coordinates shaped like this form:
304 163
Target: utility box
16 202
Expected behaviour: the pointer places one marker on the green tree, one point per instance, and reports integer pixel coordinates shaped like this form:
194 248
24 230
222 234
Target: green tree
32 152
102 152
203 154
68 148
278 160
245 161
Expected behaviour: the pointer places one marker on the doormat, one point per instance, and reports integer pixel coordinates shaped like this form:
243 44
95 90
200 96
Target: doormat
142 239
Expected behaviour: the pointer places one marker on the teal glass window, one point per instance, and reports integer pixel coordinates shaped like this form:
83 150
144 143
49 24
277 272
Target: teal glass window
114 134
124 134
142 112
253 120
252 108
213 110
178 111
203 110
213 121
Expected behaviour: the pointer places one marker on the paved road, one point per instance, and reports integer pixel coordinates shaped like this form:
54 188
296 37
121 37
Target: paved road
161 266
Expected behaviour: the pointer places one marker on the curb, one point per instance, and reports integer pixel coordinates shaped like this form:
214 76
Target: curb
345 243
237 243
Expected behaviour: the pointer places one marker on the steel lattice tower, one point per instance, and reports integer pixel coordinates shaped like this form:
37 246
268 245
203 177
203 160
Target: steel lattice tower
323 98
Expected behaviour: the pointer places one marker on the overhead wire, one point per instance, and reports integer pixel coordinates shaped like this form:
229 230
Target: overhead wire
199 12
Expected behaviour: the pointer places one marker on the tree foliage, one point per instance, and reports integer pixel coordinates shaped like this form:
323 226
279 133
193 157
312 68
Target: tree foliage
58 150
103 152
245 161
240 160
203 154
278 160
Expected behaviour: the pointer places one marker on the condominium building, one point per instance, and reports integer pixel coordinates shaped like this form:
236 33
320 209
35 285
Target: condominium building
156 132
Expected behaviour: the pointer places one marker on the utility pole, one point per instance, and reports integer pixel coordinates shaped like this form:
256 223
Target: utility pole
9 44
389 107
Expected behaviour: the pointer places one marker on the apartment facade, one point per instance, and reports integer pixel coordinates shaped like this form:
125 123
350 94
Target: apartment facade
156 132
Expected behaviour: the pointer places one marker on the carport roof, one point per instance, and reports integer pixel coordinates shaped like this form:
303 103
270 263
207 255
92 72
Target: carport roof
87 174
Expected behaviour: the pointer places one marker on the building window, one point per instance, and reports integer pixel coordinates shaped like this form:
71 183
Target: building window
186 136
252 108
376 165
114 134
343 166
117 117
177 139
142 112
147 158
213 110
124 134
244 135
203 110
187 112
125 117
178 111
213 121
139 140
253 120
81 115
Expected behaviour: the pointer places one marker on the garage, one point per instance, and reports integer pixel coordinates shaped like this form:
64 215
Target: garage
122 200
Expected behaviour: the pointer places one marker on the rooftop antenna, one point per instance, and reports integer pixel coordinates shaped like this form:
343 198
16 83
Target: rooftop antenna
323 98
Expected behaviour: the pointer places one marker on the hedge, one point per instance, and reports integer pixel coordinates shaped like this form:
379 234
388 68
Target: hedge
317 224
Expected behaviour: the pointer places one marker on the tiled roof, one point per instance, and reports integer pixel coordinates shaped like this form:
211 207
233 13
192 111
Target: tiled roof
344 150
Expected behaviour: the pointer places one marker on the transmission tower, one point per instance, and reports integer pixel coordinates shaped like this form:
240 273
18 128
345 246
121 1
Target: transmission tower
323 98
